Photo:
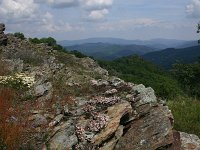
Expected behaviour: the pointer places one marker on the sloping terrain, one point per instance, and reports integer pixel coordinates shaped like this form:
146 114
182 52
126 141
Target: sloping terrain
166 58
110 51
71 103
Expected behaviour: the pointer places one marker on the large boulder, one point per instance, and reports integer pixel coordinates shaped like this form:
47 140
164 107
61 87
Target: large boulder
149 132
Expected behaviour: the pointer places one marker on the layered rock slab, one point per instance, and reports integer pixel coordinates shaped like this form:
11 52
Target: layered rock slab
149 132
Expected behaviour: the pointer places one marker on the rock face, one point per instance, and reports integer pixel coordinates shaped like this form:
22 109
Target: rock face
80 107
152 131
3 37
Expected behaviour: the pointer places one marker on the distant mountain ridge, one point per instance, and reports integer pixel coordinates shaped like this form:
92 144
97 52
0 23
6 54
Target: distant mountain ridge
167 57
106 51
154 43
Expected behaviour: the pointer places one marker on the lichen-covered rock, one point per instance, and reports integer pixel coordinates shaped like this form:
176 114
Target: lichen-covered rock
115 113
145 95
63 139
189 141
40 90
149 132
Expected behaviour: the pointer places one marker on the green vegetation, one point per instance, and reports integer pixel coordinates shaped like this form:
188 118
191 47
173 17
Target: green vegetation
49 41
166 58
77 54
135 69
19 35
186 112
188 75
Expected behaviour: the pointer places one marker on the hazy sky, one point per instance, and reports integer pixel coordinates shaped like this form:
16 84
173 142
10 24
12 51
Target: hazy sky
78 19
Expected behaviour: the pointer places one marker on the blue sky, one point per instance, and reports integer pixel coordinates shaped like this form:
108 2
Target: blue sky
79 19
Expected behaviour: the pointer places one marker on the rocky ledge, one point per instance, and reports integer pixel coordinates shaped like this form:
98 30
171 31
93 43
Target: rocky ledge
122 116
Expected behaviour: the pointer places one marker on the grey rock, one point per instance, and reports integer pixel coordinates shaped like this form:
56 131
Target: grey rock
58 118
115 113
189 141
110 92
38 120
116 82
99 82
40 90
145 95
111 144
64 139
150 132
89 63
14 65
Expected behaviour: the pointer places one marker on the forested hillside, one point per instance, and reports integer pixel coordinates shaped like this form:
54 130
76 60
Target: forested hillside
137 70
166 58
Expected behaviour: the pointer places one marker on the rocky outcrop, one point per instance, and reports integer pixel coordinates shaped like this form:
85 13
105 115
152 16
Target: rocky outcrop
3 37
130 118
151 131
80 107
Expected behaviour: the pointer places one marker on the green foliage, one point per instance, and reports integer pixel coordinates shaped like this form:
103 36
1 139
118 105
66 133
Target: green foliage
188 75
186 112
77 54
35 40
19 35
49 41
58 47
135 69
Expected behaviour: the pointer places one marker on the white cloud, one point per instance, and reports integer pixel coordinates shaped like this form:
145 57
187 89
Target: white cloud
96 15
96 10
59 3
96 4
17 9
193 9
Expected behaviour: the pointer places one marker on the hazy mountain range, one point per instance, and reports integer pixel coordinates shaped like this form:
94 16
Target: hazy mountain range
106 51
154 43
163 52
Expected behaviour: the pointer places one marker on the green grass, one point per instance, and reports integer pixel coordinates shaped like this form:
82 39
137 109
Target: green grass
186 112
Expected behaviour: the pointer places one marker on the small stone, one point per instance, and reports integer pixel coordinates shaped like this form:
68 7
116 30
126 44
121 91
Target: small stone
112 91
